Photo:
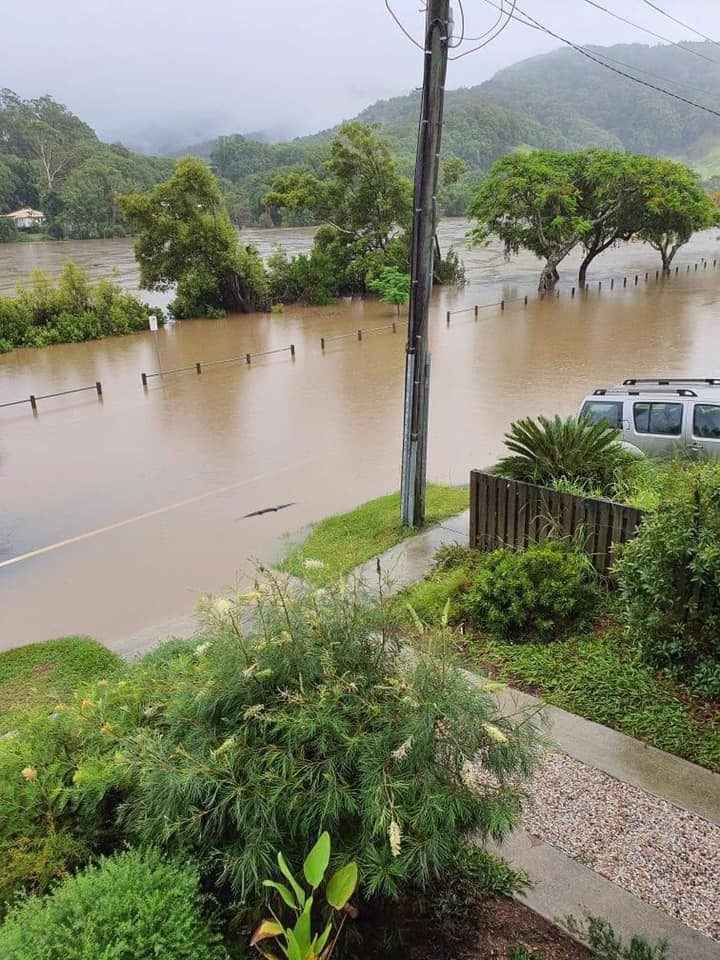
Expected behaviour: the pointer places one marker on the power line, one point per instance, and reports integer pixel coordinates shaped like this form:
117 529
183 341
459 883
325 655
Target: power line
498 19
399 23
681 23
497 33
658 36
596 59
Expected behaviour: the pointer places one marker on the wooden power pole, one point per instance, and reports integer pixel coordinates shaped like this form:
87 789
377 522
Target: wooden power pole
417 358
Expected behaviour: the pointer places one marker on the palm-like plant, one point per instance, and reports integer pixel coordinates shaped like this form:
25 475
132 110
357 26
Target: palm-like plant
578 450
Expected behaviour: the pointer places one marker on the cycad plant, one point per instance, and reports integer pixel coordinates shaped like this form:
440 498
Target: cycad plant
579 451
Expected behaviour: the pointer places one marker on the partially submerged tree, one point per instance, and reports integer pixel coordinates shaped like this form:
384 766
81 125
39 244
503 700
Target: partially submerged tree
674 206
549 203
531 201
362 201
185 238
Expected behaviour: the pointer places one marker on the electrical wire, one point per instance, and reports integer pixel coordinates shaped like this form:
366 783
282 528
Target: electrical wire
509 17
462 27
398 22
681 23
658 36
529 21
490 29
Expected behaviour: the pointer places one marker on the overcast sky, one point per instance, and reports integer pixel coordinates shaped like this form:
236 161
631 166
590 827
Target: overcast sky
137 70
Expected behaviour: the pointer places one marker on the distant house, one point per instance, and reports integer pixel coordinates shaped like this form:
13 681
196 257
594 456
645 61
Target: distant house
26 218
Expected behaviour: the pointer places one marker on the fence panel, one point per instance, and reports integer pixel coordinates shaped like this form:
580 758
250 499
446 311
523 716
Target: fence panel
510 513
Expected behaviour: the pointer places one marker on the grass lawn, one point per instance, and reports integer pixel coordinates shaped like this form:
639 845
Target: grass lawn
43 673
348 539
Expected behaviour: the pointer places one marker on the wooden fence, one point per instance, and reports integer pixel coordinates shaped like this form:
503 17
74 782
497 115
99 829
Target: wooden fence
509 513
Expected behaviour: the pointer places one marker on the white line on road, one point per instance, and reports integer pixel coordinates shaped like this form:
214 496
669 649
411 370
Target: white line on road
150 513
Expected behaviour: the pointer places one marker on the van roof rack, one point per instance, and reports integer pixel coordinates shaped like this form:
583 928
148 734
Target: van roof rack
666 381
662 391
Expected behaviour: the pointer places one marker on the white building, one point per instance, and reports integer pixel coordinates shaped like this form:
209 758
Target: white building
26 218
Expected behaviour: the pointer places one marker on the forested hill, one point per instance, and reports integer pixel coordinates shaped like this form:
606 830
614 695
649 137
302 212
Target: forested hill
591 105
53 161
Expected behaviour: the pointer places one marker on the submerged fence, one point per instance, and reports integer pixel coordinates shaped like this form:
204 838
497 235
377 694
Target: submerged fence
33 399
510 513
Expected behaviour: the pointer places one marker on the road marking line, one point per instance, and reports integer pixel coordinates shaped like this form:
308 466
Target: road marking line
145 516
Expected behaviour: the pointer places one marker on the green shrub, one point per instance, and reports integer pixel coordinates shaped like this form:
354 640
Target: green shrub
318 722
541 592
69 310
132 905
604 943
577 451
669 579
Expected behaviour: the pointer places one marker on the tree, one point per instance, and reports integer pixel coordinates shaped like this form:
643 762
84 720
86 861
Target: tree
392 286
610 195
674 206
362 200
185 237
531 201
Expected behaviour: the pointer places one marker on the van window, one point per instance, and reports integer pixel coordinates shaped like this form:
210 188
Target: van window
599 411
706 421
664 419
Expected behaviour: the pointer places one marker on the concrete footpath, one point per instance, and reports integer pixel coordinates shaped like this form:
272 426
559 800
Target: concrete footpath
559 885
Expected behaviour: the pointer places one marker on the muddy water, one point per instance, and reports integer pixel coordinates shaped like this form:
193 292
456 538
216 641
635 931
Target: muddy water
119 512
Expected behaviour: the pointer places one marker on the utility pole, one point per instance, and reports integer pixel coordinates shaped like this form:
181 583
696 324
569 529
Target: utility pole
417 358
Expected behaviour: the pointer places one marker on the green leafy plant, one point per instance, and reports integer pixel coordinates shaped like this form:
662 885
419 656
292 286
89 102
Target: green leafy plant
604 943
392 287
546 451
669 578
317 718
541 592
299 942
132 905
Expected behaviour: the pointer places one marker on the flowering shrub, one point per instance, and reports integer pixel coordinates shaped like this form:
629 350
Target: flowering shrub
235 746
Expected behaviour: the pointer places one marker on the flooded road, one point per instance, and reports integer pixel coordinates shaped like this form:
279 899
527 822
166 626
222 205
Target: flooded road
117 513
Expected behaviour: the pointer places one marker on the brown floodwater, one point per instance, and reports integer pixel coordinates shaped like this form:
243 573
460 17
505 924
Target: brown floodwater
116 514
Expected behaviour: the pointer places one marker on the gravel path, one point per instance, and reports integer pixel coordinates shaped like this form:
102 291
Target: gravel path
664 855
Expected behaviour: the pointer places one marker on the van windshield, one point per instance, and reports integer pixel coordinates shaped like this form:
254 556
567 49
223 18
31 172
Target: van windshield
603 411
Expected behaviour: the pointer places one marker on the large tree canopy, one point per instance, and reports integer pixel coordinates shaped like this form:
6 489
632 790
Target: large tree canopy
362 200
549 203
185 238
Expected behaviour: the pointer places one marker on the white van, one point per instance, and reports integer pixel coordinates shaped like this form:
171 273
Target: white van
661 417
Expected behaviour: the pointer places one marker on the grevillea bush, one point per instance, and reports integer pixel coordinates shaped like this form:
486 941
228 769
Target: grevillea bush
245 743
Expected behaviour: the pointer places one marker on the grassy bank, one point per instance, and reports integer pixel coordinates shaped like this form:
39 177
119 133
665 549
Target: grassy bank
49 672
342 542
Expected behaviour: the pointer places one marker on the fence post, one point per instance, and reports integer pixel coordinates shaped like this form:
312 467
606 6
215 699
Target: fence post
704 264
646 276
599 286
33 402
248 359
447 318
636 279
322 343
624 281
476 311
676 270
502 304
143 377
695 268
394 326
292 349
612 283
587 287
198 368
688 269
657 274
525 299
572 293
359 334
98 387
